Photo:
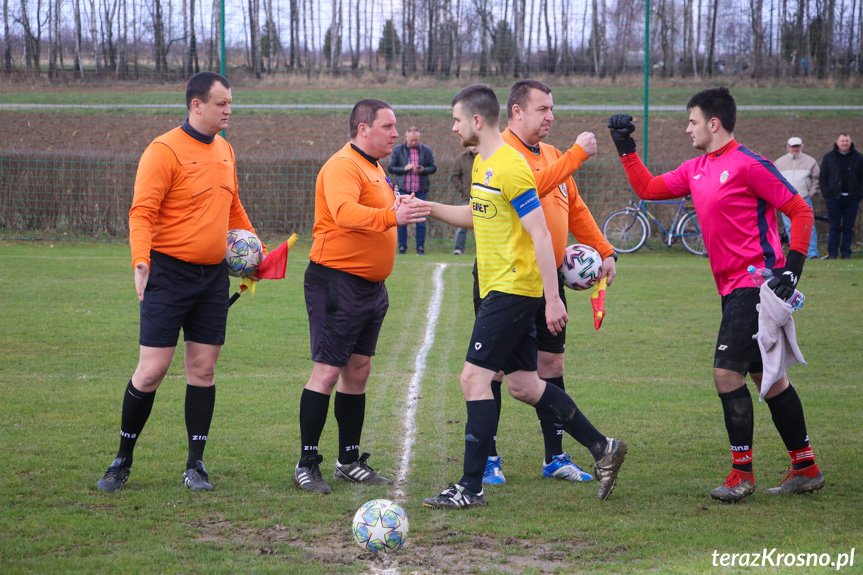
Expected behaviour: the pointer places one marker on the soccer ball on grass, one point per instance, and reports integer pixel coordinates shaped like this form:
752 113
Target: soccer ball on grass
581 267
380 525
244 254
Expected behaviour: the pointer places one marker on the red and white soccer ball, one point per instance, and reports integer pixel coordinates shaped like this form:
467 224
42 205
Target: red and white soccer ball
581 267
244 254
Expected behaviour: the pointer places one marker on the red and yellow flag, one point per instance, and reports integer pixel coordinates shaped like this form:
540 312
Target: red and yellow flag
597 302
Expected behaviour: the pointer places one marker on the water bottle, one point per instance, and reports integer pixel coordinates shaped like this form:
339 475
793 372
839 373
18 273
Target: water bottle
761 275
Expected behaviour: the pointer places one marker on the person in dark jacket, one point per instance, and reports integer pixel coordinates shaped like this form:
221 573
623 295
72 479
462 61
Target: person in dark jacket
412 163
841 182
460 180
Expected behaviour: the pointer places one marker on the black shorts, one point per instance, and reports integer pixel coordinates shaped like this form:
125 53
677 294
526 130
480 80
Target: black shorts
345 314
180 294
504 334
736 350
545 341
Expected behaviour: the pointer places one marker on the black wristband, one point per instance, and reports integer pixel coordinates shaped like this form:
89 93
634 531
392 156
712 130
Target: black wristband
795 261
625 146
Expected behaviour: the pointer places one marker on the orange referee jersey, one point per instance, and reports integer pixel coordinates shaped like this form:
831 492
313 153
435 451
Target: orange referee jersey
563 207
354 224
186 199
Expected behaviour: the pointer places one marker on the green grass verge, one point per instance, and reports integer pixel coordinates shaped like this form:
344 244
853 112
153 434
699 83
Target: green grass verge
564 95
69 342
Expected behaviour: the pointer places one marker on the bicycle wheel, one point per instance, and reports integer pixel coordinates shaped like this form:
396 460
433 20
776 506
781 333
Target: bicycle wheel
626 230
690 234
822 229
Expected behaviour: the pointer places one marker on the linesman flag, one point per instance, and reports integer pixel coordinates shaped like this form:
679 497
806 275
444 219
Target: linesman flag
597 302
273 267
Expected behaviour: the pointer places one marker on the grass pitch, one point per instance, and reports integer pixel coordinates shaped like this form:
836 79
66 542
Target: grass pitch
69 341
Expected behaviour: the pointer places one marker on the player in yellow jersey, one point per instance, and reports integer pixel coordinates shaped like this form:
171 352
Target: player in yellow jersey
529 120
516 266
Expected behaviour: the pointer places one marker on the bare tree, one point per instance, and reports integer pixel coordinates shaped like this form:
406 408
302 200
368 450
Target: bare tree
255 37
7 39
160 53
409 55
756 8
599 43
711 40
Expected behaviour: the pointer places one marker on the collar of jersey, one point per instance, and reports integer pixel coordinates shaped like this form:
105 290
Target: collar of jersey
721 151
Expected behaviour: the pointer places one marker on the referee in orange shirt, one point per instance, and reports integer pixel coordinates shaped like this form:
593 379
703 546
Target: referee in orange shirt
353 252
186 199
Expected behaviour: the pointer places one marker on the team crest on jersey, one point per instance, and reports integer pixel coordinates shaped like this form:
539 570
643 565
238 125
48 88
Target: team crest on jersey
723 177
562 188
488 175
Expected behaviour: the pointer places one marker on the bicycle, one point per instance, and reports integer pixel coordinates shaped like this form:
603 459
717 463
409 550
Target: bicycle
629 228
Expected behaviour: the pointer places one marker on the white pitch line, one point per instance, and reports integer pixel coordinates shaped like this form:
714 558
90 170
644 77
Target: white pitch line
419 371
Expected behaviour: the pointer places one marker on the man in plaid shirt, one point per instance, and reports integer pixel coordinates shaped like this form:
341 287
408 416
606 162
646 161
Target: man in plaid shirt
412 163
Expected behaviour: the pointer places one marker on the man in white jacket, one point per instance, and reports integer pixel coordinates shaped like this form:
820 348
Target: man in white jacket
801 171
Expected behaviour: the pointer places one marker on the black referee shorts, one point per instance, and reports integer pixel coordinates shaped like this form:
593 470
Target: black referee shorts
345 314
545 340
504 334
736 350
184 295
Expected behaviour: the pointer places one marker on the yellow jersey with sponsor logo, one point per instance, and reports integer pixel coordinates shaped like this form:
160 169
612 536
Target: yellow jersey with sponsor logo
502 191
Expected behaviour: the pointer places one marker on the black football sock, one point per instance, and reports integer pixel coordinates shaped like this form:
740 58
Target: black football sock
313 416
556 406
498 400
552 433
481 416
739 422
787 412
350 412
200 402
136 409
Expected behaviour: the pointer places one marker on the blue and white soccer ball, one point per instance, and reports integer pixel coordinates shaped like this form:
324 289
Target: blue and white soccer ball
244 254
380 525
581 267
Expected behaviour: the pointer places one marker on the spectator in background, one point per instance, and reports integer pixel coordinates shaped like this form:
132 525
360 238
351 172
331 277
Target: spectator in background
412 163
460 180
801 171
841 182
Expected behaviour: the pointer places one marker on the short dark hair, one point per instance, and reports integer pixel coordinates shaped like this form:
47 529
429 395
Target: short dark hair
846 134
519 91
716 103
365 112
200 84
479 99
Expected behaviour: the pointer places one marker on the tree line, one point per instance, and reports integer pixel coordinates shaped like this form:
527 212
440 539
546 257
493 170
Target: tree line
135 39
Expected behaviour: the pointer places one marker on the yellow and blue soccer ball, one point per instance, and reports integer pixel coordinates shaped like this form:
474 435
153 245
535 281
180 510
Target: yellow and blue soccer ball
380 525
581 267
244 254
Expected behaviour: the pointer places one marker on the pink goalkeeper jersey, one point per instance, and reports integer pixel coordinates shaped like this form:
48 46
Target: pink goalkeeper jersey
736 193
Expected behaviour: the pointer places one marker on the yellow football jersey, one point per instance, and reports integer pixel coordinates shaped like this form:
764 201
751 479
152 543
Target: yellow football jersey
502 190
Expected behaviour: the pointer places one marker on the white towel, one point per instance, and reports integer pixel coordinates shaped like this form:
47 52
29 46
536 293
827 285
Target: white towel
776 337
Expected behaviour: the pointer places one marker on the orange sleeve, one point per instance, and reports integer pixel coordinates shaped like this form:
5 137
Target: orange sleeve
551 176
583 226
802 220
342 187
152 183
238 219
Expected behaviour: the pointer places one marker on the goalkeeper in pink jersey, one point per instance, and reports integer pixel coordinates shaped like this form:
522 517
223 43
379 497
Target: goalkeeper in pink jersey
735 192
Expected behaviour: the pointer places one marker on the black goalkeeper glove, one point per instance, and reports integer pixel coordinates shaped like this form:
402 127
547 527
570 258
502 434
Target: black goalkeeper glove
785 279
621 128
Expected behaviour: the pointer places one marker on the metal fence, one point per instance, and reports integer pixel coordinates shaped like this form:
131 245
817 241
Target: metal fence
86 194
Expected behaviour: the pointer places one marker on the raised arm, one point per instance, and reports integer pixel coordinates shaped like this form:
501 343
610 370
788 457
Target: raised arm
644 184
